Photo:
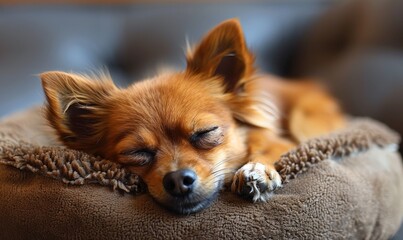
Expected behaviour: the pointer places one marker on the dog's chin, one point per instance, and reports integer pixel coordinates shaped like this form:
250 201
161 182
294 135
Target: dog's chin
188 205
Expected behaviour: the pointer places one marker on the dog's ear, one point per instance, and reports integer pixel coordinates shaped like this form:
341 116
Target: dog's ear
223 53
77 107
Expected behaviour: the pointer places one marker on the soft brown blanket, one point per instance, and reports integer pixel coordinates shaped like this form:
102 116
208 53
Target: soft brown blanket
348 185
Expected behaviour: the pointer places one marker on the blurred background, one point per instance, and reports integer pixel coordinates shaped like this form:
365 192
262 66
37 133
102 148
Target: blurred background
353 46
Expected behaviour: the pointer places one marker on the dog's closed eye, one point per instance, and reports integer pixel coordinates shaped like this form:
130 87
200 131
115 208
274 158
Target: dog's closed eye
137 157
207 138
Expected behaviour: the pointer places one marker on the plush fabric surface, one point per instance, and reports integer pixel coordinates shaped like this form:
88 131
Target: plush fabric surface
348 184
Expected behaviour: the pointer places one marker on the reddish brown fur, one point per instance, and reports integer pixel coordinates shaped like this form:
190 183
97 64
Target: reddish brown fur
218 88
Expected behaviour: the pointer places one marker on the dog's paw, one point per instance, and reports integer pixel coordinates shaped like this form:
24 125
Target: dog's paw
256 181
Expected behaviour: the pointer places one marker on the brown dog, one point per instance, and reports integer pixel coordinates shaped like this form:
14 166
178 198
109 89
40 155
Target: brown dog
188 133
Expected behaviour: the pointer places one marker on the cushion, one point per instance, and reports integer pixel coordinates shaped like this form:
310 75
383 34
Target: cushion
348 184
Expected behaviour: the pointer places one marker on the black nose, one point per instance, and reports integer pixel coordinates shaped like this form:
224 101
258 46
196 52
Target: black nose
179 183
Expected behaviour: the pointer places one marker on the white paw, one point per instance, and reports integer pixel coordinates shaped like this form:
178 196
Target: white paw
256 181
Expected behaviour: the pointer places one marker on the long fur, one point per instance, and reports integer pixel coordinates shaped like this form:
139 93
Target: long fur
212 118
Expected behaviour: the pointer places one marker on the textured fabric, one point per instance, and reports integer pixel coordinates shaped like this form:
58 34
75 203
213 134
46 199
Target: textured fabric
349 185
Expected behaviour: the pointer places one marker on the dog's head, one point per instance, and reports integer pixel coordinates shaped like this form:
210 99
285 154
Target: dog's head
179 131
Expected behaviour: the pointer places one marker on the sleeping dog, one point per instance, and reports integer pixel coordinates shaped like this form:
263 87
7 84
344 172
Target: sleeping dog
188 133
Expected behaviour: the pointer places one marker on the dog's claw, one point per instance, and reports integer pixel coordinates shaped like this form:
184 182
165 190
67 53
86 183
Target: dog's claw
256 181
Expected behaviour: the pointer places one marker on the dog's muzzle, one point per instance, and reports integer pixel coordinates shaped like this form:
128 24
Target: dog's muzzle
184 197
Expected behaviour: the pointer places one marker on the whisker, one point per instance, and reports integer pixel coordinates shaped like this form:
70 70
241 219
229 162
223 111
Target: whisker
216 178
225 170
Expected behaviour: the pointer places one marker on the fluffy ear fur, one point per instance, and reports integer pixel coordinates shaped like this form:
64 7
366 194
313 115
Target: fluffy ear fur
77 108
223 54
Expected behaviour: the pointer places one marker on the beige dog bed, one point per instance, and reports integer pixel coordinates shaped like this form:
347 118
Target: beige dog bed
345 185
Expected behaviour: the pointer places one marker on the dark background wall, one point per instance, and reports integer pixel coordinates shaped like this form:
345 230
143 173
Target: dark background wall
130 40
